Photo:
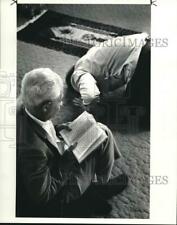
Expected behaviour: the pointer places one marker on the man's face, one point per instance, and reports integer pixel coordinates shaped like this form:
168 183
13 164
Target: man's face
55 106
50 107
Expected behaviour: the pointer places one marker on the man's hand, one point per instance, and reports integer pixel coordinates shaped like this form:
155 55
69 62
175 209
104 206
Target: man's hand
64 126
68 160
72 147
79 103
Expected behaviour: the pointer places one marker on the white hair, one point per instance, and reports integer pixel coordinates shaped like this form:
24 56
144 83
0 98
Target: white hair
40 85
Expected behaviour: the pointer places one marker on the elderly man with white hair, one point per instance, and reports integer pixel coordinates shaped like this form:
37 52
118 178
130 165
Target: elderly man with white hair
50 184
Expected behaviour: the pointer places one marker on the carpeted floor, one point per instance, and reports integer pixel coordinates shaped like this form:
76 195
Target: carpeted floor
133 143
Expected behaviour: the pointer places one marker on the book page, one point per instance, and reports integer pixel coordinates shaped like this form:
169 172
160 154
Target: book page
88 141
94 146
78 127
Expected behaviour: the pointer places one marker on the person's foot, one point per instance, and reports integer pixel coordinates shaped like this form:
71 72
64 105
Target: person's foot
113 187
91 203
95 202
101 206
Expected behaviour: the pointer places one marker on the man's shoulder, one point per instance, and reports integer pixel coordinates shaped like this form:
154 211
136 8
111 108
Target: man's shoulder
26 131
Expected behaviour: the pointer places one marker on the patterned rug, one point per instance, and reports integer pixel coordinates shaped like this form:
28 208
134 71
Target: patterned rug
73 35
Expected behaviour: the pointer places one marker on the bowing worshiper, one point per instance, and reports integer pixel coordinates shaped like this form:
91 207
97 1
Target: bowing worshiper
121 63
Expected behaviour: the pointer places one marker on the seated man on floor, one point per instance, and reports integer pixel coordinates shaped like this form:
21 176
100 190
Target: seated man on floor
49 184
115 68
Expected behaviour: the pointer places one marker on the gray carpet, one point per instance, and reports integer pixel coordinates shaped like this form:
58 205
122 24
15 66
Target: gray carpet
134 145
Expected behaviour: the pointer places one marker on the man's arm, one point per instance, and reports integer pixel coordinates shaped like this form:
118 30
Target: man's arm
87 87
89 107
37 178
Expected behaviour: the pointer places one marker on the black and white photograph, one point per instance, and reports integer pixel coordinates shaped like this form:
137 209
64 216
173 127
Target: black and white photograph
83 111
88 106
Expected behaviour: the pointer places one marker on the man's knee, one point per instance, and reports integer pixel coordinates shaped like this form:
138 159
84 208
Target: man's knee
106 129
108 145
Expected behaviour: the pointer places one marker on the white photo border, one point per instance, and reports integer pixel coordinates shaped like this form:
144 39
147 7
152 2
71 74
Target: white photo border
163 113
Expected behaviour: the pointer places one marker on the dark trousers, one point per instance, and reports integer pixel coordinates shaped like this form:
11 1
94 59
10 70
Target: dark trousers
138 89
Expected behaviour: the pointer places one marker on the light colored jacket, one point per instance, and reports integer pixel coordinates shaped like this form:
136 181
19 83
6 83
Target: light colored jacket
109 58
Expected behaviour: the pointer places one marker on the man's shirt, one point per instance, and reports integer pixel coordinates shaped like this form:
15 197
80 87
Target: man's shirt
48 127
110 59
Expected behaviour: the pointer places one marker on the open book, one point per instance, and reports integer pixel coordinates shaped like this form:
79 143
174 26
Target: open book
86 132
